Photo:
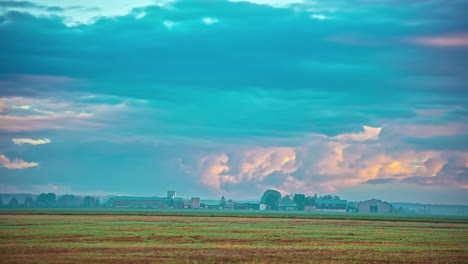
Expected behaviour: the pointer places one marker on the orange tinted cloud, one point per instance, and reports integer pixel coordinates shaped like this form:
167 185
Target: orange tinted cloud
456 40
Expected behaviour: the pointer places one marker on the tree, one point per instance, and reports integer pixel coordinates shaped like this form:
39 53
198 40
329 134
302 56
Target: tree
52 198
29 202
1 202
46 200
97 204
88 202
300 200
222 202
69 201
13 203
286 200
326 197
310 201
271 199
329 197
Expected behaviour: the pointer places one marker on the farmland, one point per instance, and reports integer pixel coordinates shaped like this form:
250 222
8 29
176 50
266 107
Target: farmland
77 236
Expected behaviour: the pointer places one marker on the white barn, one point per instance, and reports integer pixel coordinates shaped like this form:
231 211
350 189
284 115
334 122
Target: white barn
375 206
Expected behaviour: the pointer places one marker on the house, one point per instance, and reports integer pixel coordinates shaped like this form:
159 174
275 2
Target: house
310 208
211 204
330 205
374 206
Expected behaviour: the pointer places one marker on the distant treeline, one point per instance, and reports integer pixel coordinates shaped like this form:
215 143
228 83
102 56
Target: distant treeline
50 200
273 199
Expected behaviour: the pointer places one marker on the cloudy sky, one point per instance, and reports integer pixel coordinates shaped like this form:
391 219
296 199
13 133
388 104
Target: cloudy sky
364 99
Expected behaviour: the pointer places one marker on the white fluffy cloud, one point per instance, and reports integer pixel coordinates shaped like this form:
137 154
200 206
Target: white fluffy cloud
31 141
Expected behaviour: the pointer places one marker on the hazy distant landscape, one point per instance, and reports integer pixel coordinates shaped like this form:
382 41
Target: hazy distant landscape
26 201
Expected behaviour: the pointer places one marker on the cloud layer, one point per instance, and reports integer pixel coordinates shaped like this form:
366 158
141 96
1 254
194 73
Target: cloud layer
233 97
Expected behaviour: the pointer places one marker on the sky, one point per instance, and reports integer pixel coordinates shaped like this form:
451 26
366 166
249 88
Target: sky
363 99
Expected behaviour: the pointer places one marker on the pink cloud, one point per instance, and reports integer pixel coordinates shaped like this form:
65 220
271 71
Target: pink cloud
454 40
16 164
4 108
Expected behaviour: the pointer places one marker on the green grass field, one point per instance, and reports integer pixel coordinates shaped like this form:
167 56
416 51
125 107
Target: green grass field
149 236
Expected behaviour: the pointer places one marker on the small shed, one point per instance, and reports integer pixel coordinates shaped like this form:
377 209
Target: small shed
374 206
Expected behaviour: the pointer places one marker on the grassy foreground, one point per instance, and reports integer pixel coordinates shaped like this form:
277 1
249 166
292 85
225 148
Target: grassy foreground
45 237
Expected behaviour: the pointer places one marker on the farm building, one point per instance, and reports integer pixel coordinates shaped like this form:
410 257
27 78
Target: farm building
141 202
210 204
288 207
195 203
246 206
149 202
331 205
374 206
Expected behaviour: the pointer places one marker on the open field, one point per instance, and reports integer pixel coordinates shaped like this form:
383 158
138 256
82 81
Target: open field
76 236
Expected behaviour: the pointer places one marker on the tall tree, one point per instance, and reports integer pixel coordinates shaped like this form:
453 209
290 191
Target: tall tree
13 203
300 200
46 200
222 202
271 199
286 200
326 197
310 201
69 201
52 199
88 202
97 204
28 202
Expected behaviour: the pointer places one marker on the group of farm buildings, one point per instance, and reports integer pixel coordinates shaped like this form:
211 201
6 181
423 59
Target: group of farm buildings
171 201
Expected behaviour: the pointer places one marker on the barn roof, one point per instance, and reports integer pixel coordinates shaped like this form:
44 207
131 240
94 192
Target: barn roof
376 200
